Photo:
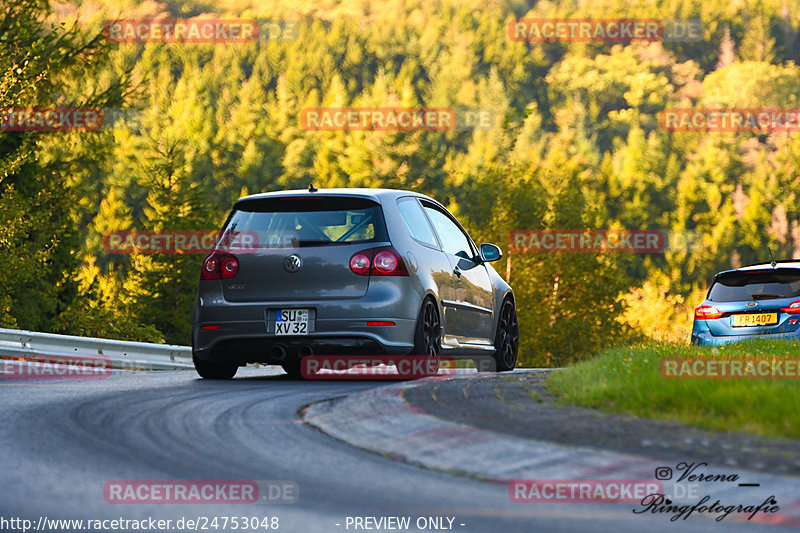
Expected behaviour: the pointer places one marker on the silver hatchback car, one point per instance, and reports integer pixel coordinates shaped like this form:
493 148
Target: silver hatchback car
349 272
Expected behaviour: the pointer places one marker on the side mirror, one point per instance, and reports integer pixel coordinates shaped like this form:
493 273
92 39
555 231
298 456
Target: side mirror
490 252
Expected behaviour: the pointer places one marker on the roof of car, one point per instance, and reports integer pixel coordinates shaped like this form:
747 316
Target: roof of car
784 263
374 194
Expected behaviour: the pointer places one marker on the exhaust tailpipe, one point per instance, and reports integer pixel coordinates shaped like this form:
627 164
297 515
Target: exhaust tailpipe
305 350
277 353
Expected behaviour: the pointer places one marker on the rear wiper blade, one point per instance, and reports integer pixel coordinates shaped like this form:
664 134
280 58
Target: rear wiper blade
765 296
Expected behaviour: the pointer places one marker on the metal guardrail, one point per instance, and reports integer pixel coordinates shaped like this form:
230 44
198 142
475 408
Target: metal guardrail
121 354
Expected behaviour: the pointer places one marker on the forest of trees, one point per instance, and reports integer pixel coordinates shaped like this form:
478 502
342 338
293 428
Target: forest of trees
576 144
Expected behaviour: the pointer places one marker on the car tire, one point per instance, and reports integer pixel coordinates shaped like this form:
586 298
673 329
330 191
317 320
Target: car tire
214 370
428 335
292 367
506 339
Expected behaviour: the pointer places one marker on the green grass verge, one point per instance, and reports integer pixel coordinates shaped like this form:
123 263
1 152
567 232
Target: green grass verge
629 380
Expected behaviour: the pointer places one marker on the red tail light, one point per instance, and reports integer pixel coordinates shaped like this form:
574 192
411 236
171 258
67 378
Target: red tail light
707 312
360 262
793 308
384 261
219 265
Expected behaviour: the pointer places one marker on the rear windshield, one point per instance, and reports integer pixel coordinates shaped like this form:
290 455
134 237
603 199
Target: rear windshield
755 285
318 221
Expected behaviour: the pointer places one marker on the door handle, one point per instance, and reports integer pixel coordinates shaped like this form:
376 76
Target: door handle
457 272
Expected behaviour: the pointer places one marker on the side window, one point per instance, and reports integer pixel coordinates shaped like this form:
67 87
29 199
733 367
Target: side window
415 221
454 241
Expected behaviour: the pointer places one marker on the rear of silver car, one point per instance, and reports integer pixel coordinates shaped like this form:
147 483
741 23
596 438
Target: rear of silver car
349 272
298 289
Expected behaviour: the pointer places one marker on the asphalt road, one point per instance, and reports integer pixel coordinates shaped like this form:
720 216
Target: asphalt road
62 441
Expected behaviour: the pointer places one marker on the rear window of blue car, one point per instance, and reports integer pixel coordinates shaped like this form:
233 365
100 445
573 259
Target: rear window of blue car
314 221
755 285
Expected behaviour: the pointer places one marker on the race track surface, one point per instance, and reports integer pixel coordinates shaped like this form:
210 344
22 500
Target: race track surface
63 440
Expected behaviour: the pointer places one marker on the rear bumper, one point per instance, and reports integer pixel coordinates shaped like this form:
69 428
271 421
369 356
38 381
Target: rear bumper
243 331
702 337
241 342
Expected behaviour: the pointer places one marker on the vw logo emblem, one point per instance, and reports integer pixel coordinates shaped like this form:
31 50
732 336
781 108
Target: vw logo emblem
292 263
752 304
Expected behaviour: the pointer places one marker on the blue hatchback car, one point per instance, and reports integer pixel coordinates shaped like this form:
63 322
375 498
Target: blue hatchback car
756 301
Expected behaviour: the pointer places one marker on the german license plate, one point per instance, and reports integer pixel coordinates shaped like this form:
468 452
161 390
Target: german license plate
754 319
291 322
